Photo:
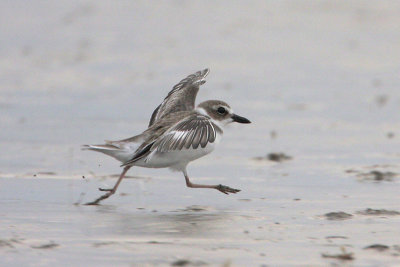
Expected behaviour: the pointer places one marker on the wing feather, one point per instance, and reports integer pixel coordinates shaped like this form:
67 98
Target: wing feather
195 131
212 134
177 139
197 137
191 135
183 141
182 96
204 137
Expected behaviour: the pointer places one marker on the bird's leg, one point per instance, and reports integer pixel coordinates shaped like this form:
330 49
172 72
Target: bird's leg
222 188
111 191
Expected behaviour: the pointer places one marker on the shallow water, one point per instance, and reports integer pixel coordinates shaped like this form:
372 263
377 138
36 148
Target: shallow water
319 80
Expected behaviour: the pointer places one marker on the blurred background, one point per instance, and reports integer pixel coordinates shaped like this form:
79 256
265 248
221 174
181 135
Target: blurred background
318 79
319 73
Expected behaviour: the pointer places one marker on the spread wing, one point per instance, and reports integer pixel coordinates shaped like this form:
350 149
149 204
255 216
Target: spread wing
195 131
181 97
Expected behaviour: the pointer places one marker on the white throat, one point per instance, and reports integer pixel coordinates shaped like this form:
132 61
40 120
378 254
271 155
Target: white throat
201 111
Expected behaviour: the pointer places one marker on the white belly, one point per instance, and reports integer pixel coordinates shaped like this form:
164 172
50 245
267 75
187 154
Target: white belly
176 159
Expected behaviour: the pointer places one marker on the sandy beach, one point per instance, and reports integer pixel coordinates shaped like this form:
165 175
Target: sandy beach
318 167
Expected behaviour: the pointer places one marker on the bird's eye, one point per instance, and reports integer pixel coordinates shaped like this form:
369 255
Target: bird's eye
221 110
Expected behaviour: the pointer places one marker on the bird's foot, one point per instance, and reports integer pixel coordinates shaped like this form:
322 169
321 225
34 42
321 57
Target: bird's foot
226 189
105 196
106 189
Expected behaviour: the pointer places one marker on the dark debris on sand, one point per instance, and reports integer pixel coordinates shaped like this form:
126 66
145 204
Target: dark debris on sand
194 208
276 157
380 176
378 212
390 135
377 247
344 255
46 246
336 237
184 262
337 216
9 243
381 100
375 175
101 244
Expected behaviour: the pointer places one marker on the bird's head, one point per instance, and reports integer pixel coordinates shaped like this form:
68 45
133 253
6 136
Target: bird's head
220 112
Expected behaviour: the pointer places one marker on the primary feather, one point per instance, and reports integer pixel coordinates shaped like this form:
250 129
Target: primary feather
182 96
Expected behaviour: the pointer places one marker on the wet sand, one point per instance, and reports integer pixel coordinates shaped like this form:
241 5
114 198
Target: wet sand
318 167
274 223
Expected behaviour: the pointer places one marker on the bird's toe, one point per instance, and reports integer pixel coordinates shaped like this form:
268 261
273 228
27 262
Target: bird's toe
226 189
105 189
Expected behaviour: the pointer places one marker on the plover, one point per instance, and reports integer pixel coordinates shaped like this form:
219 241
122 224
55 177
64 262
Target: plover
178 133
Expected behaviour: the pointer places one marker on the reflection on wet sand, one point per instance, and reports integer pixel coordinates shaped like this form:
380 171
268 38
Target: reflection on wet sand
199 223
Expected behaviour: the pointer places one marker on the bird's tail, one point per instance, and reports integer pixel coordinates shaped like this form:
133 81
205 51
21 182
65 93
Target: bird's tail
118 153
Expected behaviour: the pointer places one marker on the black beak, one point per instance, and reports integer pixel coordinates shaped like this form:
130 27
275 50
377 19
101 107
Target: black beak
240 119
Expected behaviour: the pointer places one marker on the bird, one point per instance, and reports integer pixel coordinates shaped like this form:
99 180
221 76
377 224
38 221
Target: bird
178 133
